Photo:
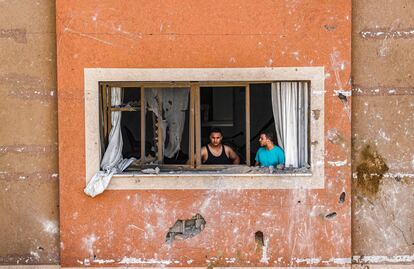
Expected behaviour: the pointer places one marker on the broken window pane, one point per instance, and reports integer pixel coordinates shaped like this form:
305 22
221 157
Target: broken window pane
167 125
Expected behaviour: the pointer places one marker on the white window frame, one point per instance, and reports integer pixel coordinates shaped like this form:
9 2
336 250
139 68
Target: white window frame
197 180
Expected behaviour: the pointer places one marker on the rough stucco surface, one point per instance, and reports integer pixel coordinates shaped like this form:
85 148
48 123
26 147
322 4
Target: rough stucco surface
28 137
383 106
118 228
383 120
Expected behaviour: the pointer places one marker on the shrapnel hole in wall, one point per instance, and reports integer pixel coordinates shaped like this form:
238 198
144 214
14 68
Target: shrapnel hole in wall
183 229
259 238
342 197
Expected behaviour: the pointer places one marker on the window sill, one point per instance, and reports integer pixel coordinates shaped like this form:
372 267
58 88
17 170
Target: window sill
209 180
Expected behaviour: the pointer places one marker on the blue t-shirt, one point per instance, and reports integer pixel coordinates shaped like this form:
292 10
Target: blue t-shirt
271 157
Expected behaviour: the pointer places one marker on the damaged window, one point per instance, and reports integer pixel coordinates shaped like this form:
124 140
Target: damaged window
165 125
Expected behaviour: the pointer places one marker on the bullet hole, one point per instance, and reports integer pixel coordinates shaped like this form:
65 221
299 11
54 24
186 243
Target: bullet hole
331 215
342 197
329 27
183 229
40 248
299 201
397 178
259 238
342 97
94 256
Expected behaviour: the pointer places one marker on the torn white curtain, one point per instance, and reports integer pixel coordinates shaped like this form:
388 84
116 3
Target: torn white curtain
174 104
290 112
112 161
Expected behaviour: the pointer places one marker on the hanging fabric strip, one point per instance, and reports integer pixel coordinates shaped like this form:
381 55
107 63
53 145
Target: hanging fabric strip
112 161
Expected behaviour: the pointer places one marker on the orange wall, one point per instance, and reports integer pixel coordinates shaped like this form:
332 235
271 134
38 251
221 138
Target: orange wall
189 33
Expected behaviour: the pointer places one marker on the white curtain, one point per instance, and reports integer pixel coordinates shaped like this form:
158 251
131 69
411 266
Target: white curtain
112 161
174 104
290 112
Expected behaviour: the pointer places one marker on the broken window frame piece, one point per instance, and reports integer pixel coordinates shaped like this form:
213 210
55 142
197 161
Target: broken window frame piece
194 158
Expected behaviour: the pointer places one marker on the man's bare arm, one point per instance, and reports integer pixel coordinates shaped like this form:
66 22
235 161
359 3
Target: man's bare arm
233 155
204 154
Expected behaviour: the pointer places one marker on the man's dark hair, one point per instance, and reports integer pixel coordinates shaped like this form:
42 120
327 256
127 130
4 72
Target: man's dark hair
269 135
215 130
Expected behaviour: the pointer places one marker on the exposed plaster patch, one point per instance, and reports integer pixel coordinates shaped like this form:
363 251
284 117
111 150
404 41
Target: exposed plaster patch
342 93
100 261
6 175
308 260
391 32
265 249
35 255
183 229
340 261
383 259
129 260
382 91
27 149
50 227
230 260
338 163
37 94
18 80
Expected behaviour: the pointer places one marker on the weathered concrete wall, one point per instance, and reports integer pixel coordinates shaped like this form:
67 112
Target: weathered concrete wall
383 133
129 227
28 136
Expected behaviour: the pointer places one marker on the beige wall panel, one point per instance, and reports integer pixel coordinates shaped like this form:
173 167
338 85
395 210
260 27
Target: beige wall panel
394 69
382 131
29 65
382 219
35 16
21 165
385 122
381 13
28 137
29 222
28 122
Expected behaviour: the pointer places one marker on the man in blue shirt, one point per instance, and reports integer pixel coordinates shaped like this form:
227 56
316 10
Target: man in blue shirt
269 154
